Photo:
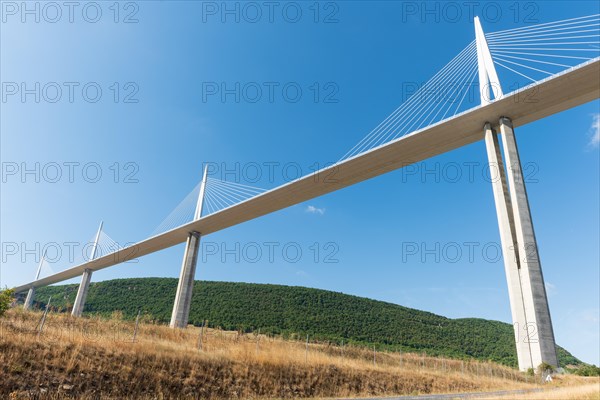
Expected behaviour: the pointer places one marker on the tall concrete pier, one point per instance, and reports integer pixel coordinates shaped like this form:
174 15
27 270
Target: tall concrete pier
534 335
86 278
31 293
538 332
183 297
507 235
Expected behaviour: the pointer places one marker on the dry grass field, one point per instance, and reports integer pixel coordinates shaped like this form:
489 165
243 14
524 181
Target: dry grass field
569 388
95 358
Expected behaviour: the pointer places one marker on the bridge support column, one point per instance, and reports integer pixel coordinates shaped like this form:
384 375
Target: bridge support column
183 297
29 299
538 332
507 239
86 278
82 293
31 293
534 336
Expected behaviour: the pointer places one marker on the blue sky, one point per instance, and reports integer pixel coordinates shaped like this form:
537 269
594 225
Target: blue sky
352 72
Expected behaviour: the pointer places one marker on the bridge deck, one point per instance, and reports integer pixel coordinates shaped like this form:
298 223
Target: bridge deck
560 92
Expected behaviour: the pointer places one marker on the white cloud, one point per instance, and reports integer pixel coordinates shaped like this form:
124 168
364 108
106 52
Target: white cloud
590 315
595 132
550 289
315 210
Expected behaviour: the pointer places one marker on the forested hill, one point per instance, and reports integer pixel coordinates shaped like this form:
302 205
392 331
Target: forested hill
297 311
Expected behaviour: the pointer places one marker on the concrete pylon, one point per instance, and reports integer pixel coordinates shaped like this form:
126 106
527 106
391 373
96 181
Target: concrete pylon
31 293
86 278
183 297
534 336
538 331
488 78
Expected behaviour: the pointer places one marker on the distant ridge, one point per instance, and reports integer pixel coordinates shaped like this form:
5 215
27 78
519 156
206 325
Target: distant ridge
296 311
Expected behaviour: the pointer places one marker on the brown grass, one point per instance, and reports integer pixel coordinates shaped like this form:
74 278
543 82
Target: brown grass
96 358
564 388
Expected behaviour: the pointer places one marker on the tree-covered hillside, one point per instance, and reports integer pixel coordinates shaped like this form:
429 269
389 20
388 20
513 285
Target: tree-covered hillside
297 311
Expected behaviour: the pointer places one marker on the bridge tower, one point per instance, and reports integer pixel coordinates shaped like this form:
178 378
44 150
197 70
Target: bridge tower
532 324
31 293
86 278
183 298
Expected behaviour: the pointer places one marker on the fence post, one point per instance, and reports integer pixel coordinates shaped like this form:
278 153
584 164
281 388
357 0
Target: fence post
43 321
374 363
201 334
257 339
306 352
137 324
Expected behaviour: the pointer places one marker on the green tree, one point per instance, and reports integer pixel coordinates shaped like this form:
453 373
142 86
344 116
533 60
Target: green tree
6 299
587 370
544 369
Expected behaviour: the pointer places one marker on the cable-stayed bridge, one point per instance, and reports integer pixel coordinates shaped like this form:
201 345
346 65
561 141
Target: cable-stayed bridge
559 63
